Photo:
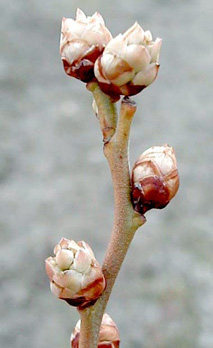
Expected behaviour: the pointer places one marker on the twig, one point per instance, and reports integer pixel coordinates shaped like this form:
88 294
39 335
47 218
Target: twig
126 220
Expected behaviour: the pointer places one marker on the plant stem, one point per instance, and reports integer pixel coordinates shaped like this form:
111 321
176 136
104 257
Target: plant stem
107 113
126 220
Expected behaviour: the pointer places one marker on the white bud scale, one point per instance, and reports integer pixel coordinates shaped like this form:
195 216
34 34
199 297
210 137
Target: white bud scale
74 273
155 179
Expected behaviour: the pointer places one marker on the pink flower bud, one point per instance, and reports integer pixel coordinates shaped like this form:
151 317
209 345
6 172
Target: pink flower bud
108 336
129 63
82 41
75 275
155 179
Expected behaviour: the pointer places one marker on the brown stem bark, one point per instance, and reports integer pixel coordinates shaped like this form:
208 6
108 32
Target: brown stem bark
126 220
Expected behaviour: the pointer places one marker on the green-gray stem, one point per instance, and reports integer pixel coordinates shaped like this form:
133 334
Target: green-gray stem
126 220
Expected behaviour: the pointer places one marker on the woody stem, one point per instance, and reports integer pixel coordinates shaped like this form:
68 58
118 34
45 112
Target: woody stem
126 220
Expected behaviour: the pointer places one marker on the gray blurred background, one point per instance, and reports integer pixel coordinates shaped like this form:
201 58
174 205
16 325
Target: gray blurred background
54 180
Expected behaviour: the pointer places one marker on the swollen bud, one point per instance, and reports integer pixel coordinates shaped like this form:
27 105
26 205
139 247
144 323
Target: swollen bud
82 41
129 63
75 275
155 178
108 336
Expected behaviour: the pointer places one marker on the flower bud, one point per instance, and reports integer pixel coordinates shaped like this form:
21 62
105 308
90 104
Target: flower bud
82 41
129 63
75 275
155 179
108 336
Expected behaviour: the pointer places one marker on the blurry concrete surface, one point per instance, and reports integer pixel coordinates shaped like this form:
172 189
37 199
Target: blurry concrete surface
54 180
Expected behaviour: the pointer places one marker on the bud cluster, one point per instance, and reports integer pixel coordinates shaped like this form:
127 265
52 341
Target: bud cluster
74 273
123 65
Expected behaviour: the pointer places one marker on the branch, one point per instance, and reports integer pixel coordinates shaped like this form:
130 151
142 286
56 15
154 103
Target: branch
126 220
